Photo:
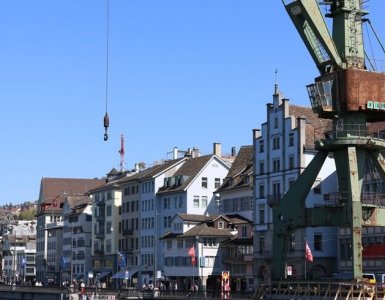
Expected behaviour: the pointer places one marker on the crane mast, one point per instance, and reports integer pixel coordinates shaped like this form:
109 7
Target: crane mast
351 96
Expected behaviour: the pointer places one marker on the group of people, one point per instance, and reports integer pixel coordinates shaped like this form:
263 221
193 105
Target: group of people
160 286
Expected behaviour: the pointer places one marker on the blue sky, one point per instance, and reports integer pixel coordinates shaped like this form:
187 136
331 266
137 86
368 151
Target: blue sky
184 73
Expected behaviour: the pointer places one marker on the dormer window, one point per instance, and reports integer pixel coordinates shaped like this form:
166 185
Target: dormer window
221 225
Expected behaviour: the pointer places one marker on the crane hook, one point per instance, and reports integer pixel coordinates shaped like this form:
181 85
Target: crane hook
106 125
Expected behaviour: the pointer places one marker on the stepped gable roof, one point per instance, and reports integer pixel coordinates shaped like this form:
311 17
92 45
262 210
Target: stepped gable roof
190 169
241 168
205 230
313 123
54 190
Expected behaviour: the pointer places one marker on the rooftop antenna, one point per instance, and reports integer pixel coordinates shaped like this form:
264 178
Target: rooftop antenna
106 120
121 152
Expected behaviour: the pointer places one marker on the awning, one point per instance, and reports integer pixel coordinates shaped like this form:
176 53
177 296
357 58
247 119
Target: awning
122 274
103 274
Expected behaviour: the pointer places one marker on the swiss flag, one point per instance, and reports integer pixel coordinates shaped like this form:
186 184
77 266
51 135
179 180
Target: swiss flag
191 253
308 254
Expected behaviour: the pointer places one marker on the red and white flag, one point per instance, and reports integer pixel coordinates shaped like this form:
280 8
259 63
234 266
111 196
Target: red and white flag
191 253
308 254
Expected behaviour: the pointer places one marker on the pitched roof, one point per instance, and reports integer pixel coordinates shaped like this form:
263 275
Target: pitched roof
242 160
190 169
195 218
205 230
313 123
242 167
77 204
54 190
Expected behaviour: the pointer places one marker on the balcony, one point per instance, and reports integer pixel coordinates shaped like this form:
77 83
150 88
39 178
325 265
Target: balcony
100 218
99 251
273 199
100 203
128 232
100 235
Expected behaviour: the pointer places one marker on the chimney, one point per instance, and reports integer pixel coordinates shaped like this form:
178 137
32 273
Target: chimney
188 153
217 149
175 153
233 152
195 152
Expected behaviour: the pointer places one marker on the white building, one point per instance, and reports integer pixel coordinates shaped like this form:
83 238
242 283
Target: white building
190 190
192 252
19 250
139 214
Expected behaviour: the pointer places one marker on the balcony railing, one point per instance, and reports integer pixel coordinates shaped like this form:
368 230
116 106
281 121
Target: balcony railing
100 235
127 232
99 251
273 199
367 198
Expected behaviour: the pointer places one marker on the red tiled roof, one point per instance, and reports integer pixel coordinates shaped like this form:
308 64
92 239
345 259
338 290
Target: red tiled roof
54 190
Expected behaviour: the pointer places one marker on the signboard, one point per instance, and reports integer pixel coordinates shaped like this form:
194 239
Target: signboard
90 275
126 275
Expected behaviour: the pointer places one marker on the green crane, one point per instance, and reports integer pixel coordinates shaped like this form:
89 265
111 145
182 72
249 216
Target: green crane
351 96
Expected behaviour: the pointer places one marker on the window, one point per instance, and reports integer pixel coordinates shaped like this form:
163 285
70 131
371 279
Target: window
261 146
217 183
196 201
261 209
291 162
179 202
261 243
167 203
276 191
109 210
108 227
275 122
169 244
244 231
317 241
220 225
261 167
291 139
167 222
204 182
276 165
275 143
204 201
261 191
